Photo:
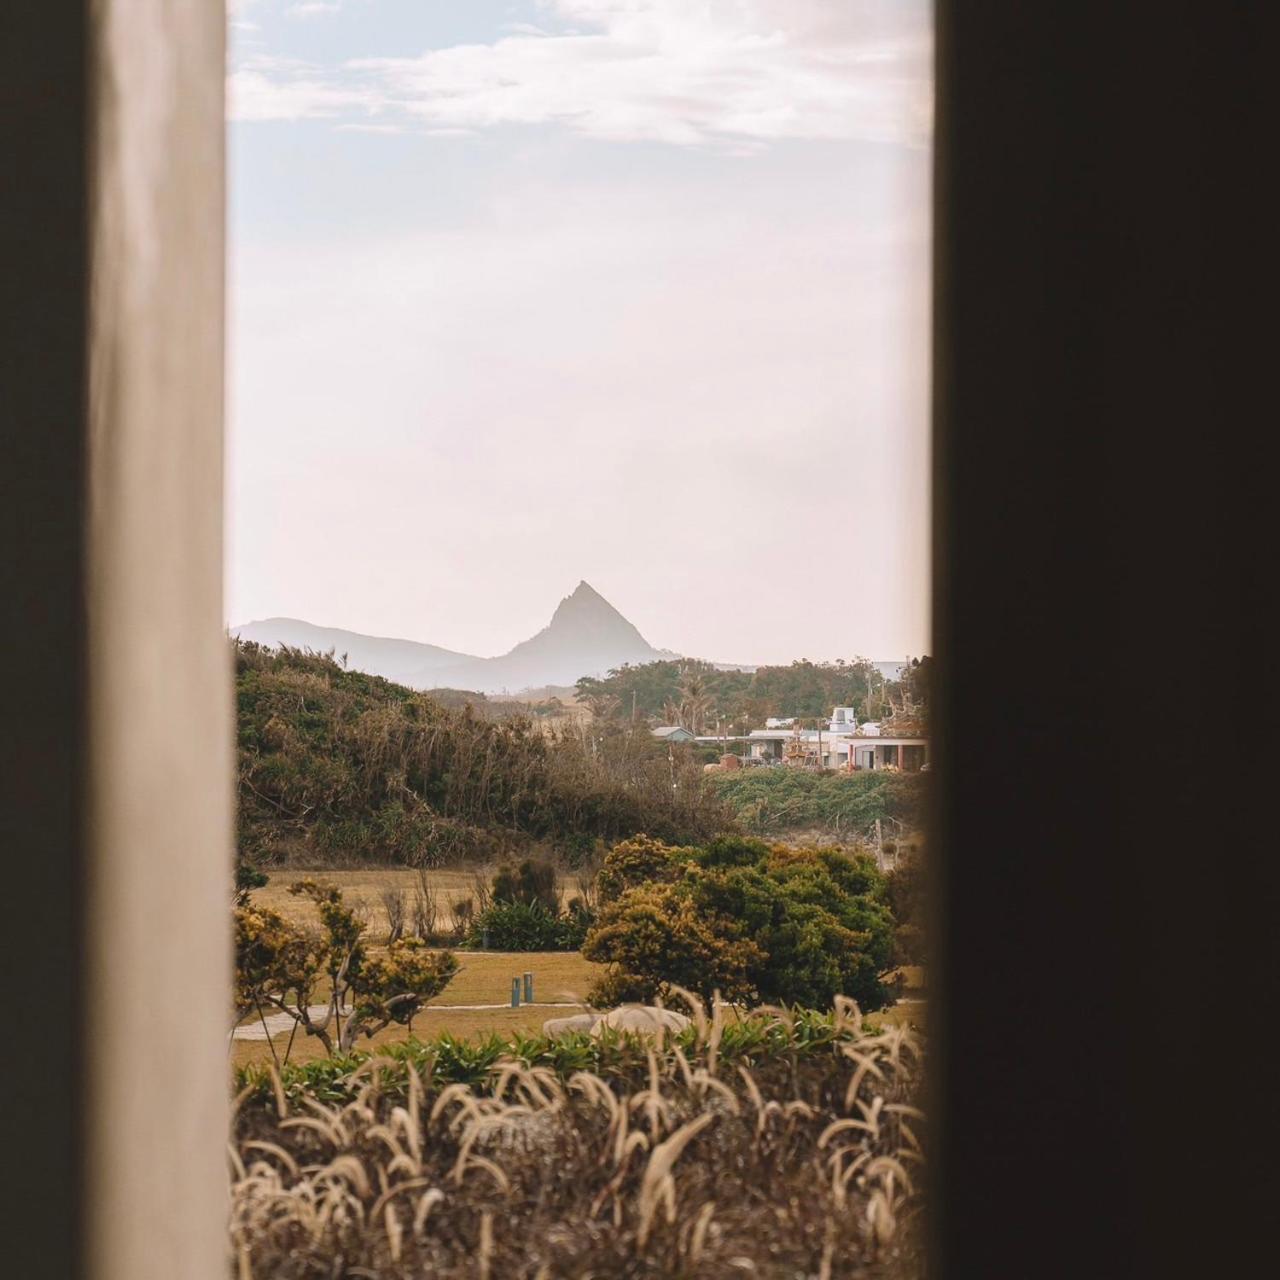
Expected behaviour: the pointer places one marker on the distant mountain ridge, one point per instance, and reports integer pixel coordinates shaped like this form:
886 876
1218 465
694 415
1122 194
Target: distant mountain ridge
404 661
586 636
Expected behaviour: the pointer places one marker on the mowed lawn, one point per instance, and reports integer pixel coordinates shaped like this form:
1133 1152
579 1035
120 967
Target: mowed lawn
484 978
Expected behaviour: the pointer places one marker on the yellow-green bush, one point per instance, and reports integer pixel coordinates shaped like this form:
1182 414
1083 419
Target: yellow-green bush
753 921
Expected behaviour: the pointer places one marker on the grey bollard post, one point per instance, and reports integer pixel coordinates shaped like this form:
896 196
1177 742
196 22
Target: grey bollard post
515 993
528 988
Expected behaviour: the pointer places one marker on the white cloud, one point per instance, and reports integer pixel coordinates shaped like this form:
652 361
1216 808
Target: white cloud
312 8
267 88
724 72
371 128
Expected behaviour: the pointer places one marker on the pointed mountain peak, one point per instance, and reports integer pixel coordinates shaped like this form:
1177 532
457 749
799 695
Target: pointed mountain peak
584 602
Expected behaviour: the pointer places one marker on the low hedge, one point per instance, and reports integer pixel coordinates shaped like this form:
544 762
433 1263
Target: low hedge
527 926
754 1041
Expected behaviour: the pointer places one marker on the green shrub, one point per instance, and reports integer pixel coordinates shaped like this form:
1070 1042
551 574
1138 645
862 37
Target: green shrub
617 987
752 921
621 1060
531 883
248 878
527 926
906 895
731 851
631 863
656 935
580 849
768 801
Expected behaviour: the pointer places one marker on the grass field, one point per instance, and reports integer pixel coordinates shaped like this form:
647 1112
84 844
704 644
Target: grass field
484 978
364 888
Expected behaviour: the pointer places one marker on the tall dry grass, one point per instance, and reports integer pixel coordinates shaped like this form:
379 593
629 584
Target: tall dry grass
799 1165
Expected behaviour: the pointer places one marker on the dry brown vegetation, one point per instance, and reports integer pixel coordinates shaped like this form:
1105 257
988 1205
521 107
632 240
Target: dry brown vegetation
364 889
798 1164
340 768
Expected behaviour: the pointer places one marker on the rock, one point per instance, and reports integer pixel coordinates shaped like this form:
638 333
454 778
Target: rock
575 1022
645 1019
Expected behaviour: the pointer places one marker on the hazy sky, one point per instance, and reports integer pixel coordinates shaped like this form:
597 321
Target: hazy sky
627 290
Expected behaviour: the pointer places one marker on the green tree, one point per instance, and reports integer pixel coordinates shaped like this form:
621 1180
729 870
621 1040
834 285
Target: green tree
532 882
655 936
299 971
248 878
699 696
905 886
754 921
633 863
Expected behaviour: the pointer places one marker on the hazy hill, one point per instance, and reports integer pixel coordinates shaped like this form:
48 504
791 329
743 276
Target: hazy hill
404 661
586 636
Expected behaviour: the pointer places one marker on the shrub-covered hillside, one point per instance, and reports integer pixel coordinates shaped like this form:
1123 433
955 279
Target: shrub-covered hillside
771 801
336 766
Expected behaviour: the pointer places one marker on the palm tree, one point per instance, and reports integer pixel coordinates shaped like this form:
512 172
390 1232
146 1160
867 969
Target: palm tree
696 700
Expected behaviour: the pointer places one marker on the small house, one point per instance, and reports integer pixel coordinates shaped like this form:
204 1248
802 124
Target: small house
672 733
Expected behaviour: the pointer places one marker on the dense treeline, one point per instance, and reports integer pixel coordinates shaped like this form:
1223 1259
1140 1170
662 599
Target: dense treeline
698 696
339 766
772 801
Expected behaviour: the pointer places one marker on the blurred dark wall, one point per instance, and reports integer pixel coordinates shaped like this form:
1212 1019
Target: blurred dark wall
43 328
1103 396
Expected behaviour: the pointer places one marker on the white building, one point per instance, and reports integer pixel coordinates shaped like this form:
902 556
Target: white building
844 744
819 749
